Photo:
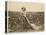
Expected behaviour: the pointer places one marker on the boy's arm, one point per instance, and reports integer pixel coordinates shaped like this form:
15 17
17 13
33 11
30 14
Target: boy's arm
32 25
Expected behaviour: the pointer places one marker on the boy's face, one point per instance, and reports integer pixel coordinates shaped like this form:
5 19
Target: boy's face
23 9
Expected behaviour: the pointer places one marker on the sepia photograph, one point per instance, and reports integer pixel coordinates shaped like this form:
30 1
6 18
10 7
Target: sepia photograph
24 17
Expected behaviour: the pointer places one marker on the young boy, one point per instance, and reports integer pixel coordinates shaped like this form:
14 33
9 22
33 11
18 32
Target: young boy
26 24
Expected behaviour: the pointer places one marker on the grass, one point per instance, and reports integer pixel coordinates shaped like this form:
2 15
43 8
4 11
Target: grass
17 23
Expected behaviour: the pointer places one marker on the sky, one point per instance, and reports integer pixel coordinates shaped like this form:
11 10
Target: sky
30 7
